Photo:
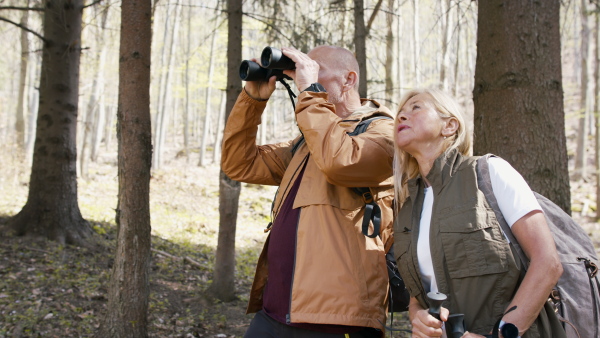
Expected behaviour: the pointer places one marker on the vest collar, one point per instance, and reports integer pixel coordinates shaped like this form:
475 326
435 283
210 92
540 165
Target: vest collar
444 167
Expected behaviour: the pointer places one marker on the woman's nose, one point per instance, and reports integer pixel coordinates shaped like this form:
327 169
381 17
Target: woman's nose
401 117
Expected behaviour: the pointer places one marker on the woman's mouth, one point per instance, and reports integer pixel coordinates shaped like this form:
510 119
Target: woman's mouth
402 127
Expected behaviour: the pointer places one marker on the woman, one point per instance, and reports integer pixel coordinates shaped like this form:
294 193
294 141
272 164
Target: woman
447 237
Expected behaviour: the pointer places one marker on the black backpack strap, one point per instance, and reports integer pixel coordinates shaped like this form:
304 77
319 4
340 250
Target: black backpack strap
372 212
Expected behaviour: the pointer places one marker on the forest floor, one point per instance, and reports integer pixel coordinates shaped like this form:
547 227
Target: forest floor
48 290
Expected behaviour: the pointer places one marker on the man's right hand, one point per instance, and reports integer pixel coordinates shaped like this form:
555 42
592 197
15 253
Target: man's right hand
260 90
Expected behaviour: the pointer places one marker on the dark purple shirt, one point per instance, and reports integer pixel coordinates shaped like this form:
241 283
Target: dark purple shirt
280 255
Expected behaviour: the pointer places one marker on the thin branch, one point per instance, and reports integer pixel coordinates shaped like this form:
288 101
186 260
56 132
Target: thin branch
22 8
24 28
93 3
373 15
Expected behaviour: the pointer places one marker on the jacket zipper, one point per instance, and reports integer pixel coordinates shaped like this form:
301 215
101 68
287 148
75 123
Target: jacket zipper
288 315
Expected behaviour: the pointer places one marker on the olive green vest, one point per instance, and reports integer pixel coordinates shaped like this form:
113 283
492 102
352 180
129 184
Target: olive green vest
472 261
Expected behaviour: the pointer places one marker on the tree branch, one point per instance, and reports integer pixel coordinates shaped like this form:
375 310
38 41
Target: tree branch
373 15
39 9
24 28
93 3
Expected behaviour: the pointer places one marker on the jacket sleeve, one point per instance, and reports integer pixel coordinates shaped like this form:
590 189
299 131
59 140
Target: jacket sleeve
364 160
241 159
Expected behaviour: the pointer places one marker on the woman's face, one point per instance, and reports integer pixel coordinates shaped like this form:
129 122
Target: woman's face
419 127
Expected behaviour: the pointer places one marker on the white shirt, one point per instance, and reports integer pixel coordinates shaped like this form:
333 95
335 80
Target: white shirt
515 200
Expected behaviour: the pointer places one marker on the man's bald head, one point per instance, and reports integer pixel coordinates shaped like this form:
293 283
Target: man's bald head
338 58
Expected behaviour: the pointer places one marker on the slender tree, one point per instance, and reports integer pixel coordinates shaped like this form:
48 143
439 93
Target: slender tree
20 124
360 45
51 209
229 190
518 92
127 314
582 135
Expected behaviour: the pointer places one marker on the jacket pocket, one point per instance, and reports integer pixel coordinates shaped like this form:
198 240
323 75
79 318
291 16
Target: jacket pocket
473 244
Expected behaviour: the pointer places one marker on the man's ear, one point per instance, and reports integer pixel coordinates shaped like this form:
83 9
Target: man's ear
351 80
450 126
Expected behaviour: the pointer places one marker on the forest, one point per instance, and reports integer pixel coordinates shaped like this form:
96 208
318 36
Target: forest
115 218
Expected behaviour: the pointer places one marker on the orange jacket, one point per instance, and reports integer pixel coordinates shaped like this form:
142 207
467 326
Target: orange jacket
340 275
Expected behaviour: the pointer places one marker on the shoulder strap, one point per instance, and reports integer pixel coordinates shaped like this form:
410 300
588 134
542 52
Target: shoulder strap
360 128
484 182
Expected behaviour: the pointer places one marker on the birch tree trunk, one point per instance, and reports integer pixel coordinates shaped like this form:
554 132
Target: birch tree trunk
208 97
389 55
20 118
416 44
580 159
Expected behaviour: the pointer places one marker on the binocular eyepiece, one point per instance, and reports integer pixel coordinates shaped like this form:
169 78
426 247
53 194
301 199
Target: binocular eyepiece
273 63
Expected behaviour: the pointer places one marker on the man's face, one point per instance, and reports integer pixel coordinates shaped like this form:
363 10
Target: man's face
329 76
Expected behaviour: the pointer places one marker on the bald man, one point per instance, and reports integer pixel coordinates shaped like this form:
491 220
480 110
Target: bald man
318 275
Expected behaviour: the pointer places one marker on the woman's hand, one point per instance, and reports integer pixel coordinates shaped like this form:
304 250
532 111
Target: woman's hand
424 324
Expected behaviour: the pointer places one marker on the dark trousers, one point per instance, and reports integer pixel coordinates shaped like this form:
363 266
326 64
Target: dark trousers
263 326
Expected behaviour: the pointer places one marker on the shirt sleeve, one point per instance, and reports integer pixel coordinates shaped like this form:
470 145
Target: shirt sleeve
514 196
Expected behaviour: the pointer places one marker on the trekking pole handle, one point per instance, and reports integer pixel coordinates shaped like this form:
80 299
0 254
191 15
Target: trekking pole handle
435 303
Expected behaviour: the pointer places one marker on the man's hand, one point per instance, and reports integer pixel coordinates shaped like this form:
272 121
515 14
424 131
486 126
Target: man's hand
260 90
307 69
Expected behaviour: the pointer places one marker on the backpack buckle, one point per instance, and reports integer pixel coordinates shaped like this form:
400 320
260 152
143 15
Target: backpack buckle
367 197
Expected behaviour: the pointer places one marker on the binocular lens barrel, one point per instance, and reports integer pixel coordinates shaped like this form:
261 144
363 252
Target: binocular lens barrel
273 58
252 71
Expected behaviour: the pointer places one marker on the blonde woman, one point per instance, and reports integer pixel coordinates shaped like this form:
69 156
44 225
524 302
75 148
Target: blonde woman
447 238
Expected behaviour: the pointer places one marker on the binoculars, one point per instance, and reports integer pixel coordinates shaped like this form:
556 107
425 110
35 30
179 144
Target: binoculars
273 63
455 326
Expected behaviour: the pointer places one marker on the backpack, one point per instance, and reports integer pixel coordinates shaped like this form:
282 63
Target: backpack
397 293
576 296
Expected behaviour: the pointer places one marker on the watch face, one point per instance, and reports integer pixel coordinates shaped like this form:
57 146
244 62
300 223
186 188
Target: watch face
316 88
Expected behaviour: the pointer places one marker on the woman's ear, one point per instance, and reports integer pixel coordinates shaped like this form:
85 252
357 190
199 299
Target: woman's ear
351 80
450 126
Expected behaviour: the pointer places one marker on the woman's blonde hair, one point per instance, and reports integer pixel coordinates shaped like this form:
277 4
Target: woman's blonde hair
406 166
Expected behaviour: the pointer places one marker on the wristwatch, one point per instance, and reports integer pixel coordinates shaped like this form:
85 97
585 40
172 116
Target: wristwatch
315 87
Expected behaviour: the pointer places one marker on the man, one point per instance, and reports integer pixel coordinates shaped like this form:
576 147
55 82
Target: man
318 275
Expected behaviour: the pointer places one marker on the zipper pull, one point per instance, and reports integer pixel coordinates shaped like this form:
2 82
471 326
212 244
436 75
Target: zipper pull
287 319
269 226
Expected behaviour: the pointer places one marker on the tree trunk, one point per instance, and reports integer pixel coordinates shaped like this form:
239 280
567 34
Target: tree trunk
20 121
208 110
52 210
581 158
416 45
223 285
219 133
518 92
360 45
129 283
389 54
597 109
446 35
456 61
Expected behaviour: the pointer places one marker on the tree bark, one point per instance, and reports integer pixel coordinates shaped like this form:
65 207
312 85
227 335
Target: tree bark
581 154
518 92
129 283
223 285
208 110
20 120
597 108
51 209
416 45
360 45
389 54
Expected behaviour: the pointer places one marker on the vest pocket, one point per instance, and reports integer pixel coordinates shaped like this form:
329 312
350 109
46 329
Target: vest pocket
473 247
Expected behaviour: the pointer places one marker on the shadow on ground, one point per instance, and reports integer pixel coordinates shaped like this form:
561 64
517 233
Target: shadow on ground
55 291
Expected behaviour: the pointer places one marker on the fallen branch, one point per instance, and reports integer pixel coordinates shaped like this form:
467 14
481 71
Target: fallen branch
184 259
